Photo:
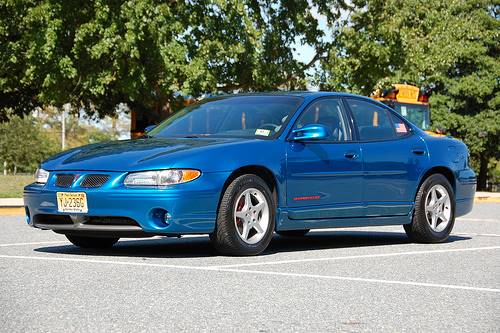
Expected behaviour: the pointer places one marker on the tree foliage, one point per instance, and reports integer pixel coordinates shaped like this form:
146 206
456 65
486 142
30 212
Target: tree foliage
96 54
449 48
24 144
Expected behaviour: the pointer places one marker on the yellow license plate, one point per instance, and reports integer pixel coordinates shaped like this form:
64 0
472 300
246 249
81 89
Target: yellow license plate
72 202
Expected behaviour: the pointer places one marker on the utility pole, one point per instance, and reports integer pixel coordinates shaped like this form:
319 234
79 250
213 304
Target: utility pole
66 110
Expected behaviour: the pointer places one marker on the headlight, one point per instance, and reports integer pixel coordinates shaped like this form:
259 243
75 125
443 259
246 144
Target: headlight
41 176
161 177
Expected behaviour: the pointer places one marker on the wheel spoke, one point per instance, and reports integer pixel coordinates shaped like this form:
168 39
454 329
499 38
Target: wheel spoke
258 227
442 199
241 215
434 221
433 196
245 231
248 200
259 207
442 217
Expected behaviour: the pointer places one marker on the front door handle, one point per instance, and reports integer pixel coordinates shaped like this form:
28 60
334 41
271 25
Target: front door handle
351 155
418 151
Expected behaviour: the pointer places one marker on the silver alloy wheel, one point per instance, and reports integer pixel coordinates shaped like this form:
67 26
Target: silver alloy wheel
438 208
251 215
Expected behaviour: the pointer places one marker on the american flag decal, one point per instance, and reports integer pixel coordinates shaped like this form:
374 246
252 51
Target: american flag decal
401 128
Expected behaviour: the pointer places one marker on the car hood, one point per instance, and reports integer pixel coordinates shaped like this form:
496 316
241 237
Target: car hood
132 155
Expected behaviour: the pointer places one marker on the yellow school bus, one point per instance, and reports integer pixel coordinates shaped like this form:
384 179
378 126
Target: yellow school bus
408 101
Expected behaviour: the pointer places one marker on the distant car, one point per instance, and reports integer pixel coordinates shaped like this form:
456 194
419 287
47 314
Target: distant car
242 167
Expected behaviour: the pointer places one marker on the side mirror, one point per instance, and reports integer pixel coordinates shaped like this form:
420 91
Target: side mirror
310 132
149 128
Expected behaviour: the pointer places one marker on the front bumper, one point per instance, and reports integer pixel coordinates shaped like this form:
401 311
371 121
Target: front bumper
191 207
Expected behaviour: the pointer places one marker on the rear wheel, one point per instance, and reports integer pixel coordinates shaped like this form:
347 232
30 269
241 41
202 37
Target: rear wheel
293 233
434 214
92 242
245 222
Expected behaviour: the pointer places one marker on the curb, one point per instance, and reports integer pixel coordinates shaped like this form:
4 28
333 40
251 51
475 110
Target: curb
11 206
11 211
11 202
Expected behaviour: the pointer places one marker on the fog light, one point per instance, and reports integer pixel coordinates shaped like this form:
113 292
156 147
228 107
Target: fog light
161 217
167 218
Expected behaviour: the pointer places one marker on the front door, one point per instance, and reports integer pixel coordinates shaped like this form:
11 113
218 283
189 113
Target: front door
324 178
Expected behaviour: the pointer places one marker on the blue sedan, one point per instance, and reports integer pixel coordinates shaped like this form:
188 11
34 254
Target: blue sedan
242 167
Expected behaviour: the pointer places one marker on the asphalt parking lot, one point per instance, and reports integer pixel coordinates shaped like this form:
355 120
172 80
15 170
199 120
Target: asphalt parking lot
357 279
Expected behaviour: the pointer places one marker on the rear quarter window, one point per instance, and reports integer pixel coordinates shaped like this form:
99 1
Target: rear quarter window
400 127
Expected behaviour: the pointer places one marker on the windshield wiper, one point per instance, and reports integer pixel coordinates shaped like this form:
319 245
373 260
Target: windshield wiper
191 137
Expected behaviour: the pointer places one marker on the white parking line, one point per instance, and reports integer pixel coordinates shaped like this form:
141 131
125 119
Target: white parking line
472 234
378 255
33 243
476 220
114 262
348 278
243 271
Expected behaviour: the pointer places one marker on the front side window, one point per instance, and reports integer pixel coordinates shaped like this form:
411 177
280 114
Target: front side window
329 113
373 122
235 116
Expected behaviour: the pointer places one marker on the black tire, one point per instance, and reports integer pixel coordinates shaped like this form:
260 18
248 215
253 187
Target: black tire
292 233
419 230
225 237
92 242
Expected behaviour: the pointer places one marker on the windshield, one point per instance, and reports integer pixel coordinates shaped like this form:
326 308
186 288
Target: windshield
236 116
417 114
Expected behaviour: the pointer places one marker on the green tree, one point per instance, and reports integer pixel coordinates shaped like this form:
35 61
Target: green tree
97 54
448 47
24 144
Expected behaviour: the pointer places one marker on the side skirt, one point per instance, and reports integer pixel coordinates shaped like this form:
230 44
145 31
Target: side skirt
284 223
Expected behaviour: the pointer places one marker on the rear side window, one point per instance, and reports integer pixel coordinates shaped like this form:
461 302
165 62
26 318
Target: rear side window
373 122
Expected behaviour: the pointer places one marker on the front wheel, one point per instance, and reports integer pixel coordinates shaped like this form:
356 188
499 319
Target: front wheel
434 214
245 221
92 242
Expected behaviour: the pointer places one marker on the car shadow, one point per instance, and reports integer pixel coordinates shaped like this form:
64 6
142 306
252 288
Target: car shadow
201 247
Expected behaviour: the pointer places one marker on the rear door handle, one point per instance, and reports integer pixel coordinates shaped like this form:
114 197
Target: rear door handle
351 155
418 151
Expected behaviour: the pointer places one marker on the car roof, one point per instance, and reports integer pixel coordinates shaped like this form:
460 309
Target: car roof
309 95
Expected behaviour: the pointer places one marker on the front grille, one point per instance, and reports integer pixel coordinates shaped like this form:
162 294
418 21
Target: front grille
94 181
64 180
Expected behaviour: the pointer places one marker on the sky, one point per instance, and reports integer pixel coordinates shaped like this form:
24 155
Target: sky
305 53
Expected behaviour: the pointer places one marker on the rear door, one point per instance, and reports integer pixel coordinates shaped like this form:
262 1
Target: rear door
393 158
324 178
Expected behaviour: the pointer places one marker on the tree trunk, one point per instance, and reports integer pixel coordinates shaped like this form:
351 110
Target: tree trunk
114 119
483 173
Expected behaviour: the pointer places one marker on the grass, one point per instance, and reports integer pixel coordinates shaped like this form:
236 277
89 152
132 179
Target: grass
12 186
